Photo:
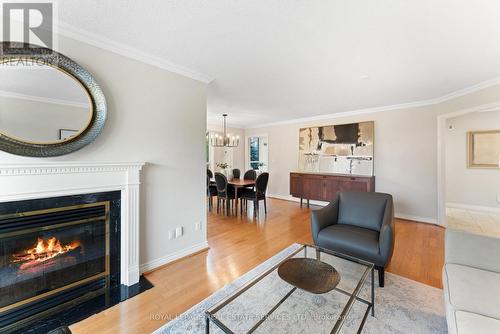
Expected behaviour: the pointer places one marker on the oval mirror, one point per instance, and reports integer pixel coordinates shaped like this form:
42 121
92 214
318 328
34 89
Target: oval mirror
49 104
42 104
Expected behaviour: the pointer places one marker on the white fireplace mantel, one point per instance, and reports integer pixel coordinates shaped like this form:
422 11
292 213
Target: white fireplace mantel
41 180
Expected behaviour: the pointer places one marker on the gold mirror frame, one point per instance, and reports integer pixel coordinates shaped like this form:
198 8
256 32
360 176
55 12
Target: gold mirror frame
471 150
12 52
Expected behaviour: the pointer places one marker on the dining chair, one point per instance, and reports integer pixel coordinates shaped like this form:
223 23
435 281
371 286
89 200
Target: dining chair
210 174
250 175
257 195
225 194
236 173
211 192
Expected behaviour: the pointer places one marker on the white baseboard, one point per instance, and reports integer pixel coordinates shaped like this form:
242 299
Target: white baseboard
397 215
480 208
416 218
148 266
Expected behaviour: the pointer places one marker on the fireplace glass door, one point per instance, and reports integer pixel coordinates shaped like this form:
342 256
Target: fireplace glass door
43 253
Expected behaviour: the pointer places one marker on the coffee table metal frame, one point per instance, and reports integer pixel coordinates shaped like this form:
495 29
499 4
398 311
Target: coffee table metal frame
210 315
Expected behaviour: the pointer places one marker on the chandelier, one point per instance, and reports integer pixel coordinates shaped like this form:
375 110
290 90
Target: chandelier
226 139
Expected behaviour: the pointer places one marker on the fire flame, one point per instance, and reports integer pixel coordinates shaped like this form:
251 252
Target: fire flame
44 250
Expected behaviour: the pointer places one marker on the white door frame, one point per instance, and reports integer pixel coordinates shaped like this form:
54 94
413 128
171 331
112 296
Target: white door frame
441 152
247 160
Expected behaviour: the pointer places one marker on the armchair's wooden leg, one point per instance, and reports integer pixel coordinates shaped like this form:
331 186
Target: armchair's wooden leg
265 206
301 202
381 276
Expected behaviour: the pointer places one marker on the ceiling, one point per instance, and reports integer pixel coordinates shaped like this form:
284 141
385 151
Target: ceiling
276 60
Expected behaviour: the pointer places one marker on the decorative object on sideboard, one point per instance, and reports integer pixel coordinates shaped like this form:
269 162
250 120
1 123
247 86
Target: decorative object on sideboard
42 93
343 149
484 149
226 139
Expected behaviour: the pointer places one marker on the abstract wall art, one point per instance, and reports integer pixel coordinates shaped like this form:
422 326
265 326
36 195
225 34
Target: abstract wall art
342 149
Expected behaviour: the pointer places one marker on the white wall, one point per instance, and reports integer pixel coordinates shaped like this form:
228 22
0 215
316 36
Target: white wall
39 121
158 117
470 186
403 169
406 155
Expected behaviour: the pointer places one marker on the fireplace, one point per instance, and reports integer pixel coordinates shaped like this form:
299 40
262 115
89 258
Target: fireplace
56 253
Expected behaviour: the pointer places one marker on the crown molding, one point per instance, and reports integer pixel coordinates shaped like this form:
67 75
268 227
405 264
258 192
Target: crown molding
42 99
465 91
416 104
342 114
104 43
46 168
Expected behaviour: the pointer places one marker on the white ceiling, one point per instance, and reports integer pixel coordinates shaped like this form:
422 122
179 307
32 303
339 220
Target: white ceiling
275 60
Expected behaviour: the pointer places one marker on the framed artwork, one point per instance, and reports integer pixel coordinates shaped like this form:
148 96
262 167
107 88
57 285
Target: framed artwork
342 149
67 133
484 149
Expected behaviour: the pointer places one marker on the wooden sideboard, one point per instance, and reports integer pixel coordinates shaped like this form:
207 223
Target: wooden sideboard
324 187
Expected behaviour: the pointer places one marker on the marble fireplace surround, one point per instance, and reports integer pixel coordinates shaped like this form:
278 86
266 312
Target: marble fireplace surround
52 179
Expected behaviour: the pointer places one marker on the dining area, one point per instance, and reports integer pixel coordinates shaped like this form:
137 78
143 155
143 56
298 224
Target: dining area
230 192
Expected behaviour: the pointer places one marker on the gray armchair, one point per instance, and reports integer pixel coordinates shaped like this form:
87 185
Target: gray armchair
358 224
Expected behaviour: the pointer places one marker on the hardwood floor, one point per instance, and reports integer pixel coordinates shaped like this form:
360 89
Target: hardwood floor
238 244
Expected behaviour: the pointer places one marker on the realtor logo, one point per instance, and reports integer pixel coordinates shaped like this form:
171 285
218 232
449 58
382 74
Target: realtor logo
30 23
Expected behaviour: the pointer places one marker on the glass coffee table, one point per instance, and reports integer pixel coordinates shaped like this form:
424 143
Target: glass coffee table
267 304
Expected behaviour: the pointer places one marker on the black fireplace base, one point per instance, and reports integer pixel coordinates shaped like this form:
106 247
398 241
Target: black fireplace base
86 309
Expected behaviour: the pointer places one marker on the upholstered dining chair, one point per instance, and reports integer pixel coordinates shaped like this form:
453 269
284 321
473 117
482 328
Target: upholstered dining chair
211 192
236 173
250 175
225 194
257 195
358 224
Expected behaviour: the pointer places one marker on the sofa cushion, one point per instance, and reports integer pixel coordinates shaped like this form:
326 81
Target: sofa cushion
475 323
472 290
355 241
361 209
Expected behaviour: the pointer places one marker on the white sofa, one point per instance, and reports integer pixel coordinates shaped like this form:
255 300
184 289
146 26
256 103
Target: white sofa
471 283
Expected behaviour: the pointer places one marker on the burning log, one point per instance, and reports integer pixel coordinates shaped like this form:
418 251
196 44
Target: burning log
43 251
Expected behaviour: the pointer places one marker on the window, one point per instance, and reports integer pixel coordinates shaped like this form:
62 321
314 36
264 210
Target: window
254 148
256 151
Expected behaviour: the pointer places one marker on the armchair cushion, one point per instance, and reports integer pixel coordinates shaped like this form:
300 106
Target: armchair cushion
363 209
355 241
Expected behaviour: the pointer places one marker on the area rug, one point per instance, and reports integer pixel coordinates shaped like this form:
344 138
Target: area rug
402 306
